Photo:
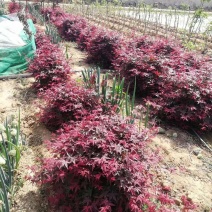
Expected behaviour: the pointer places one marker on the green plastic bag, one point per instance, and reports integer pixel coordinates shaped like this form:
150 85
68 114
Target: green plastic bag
16 60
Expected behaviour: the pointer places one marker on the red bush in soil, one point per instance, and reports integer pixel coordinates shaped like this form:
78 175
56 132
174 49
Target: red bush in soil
150 61
69 26
66 102
86 36
49 66
142 58
176 82
101 164
54 15
133 63
186 99
14 7
160 46
101 48
41 40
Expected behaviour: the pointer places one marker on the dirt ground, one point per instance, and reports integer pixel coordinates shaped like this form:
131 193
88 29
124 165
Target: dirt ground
14 94
186 165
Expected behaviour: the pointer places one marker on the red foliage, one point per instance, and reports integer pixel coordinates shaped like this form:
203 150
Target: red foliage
14 7
144 58
187 204
49 66
186 98
41 40
86 36
72 28
101 48
101 164
66 102
55 15
69 26
143 64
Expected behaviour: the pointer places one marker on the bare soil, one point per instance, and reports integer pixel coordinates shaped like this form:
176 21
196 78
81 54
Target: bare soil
182 170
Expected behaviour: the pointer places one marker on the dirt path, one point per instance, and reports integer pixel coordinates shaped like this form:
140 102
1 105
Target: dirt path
186 168
14 94
186 165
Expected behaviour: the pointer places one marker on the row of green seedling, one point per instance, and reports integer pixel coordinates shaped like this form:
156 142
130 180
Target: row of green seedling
35 13
51 30
11 142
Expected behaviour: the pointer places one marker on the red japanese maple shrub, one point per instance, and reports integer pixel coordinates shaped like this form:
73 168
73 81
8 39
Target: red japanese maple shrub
54 15
185 98
143 42
143 65
14 7
145 58
102 46
101 164
41 40
66 102
163 48
49 66
187 204
69 26
86 36
72 27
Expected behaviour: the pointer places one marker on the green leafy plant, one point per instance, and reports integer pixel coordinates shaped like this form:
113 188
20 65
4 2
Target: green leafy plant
34 11
130 103
52 32
189 45
114 96
10 153
91 78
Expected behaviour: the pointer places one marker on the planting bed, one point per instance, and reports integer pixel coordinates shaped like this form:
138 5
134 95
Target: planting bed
161 68
112 165
180 168
14 94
